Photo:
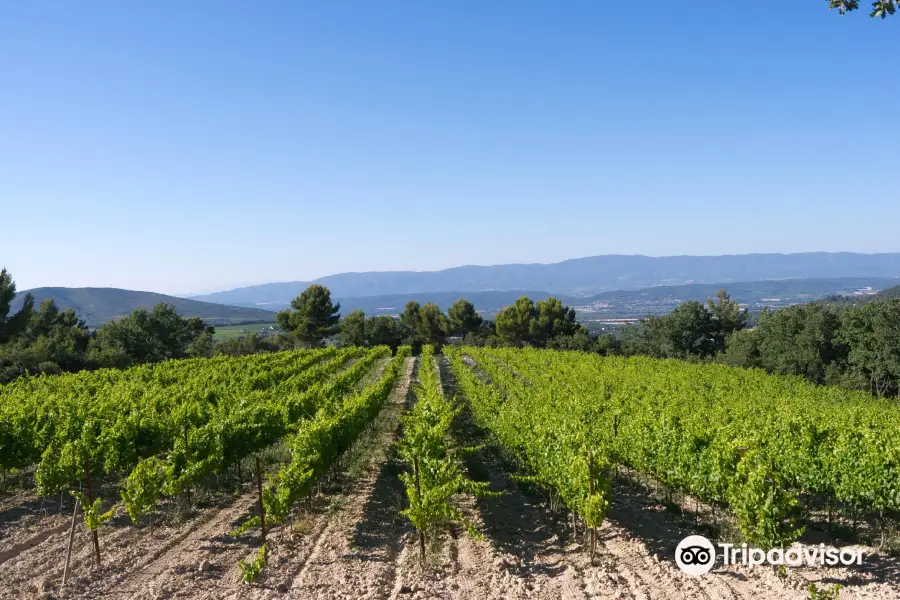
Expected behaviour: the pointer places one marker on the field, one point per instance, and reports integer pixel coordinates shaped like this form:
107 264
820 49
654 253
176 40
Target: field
529 474
226 332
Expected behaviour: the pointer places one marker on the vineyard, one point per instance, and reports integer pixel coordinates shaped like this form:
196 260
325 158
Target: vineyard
475 473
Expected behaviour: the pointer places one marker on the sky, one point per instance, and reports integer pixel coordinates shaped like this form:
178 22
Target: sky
193 146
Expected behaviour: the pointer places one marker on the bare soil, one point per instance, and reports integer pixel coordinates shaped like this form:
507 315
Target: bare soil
351 542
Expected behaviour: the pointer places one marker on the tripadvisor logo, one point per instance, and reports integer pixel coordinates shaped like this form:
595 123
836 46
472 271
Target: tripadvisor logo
696 555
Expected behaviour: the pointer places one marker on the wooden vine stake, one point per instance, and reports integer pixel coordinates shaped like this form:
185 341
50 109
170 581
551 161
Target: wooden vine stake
262 506
419 496
71 539
90 495
591 483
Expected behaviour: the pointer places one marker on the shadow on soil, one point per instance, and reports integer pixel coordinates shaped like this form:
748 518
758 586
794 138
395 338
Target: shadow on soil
512 521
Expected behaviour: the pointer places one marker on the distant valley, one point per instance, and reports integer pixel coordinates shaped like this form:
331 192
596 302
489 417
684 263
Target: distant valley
580 277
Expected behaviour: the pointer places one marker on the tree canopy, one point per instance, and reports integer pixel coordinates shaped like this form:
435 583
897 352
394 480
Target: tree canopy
150 336
312 316
12 325
880 8
463 318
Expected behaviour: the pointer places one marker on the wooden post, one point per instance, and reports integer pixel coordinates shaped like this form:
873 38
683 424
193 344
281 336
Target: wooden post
262 506
419 496
71 539
593 528
90 495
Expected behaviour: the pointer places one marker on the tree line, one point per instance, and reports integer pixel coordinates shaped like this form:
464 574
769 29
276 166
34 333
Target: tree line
827 342
45 339
856 346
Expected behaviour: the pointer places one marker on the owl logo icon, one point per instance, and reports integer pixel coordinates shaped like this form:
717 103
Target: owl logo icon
695 555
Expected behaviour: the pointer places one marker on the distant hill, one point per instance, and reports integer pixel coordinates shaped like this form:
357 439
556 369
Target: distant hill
100 305
859 300
578 277
754 295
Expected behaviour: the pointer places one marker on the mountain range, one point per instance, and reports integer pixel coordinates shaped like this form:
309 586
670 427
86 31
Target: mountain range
640 286
580 277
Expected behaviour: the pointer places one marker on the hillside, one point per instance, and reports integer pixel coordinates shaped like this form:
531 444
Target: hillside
100 305
579 277
840 300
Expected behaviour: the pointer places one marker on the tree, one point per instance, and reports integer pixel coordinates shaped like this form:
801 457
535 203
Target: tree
727 318
553 320
353 329
202 346
463 318
252 344
433 325
11 326
409 318
880 8
516 323
742 349
384 331
796 340
872 335
313 317
686 331
147 336
52 341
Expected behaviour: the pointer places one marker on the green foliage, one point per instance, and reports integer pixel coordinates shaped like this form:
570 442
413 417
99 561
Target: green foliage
144 487
93 518
432 324
147 336
552 320
832 592
312 316
525 323
872 334
880 8
767 511
683 423
541 427
252 569
727 318
797 340
252 344
52 342
436 474
463 318
189 418
353 329
516 323
423 324
320 440
384 331
12 325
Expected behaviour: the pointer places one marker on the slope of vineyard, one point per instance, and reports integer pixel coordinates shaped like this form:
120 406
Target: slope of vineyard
752 441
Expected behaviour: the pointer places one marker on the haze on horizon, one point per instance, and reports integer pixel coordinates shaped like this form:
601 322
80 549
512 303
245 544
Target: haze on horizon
190 148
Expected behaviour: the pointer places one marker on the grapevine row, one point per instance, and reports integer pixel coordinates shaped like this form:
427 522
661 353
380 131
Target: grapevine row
436 474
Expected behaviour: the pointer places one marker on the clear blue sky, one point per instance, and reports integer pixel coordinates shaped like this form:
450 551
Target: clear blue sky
191 146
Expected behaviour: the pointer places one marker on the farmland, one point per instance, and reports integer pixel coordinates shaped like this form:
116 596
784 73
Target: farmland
513 473
234 331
